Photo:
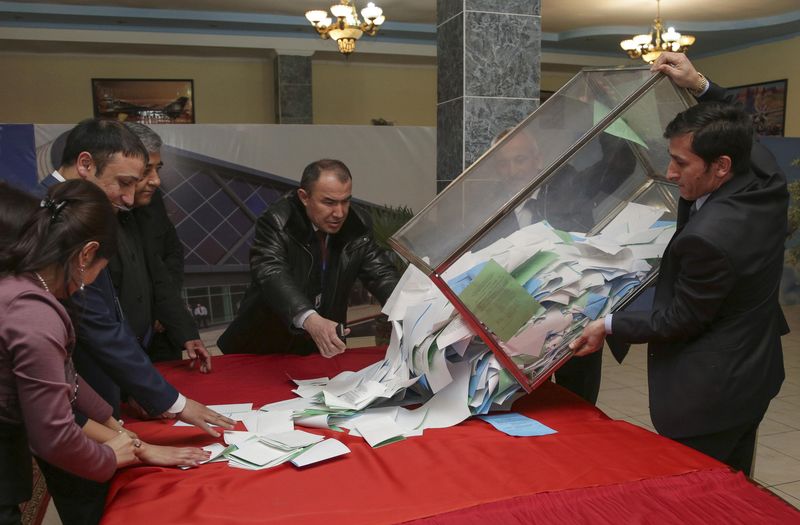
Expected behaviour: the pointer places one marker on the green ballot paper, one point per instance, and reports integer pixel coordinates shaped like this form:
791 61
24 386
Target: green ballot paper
535 264
499 301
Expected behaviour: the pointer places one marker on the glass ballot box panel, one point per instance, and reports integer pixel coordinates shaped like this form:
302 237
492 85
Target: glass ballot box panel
562 221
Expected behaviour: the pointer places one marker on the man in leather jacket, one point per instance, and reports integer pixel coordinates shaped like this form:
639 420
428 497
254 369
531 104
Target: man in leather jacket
310 247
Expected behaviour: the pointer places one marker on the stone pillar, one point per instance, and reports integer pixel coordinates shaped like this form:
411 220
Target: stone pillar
293 88
488 76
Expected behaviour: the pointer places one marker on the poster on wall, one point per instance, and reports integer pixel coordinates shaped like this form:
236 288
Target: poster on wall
150 101
766 102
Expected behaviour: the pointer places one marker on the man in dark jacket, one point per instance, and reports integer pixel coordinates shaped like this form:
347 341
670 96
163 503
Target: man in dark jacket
163 325
714 353
310 246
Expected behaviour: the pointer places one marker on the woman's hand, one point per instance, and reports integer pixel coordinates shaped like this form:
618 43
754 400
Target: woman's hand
170 456
123 446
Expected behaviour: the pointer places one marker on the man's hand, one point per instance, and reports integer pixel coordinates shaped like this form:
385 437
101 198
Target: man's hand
158 327
323 332
591 340
678 68
201 416
198 351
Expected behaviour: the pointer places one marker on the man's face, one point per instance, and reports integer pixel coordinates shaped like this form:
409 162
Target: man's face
518 157
693 176
328 203
151 181
119 178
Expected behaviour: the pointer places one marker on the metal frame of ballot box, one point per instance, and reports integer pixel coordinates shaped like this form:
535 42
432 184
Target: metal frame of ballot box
592 149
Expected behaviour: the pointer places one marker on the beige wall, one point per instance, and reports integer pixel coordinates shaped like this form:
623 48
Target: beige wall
49 88
351 93
554 80
773 61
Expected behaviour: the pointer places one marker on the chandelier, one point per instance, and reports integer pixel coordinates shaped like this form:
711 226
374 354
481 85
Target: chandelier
347 28
650 45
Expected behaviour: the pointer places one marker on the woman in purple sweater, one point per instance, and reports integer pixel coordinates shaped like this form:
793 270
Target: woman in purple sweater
64 244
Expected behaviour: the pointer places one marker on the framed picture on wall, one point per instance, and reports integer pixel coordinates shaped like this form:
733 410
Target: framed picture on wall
150 101
766 102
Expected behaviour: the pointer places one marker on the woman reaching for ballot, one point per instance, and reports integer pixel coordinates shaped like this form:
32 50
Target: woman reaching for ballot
51 251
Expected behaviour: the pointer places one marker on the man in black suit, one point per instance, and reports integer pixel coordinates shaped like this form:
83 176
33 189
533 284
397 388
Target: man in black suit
150 293
714 356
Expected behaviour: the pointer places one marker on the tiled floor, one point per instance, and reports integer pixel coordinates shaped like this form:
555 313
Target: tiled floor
623 395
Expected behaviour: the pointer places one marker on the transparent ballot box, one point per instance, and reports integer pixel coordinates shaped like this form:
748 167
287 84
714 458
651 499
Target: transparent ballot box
562 221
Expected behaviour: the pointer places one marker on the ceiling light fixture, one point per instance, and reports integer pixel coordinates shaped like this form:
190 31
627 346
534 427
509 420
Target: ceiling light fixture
649 46
347 27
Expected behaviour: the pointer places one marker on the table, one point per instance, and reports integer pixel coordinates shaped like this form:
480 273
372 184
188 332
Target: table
593 470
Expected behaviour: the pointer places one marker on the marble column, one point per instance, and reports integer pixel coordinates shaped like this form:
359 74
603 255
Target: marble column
488 76
293 88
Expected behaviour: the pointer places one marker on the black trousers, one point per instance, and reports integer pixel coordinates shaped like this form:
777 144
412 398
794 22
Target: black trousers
15 472
581 375
162 349
10 515
79 501
735 447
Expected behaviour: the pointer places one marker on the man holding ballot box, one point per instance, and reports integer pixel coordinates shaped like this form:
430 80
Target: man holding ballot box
714 355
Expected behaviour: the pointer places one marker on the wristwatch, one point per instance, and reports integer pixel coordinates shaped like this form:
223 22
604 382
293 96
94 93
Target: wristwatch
701 87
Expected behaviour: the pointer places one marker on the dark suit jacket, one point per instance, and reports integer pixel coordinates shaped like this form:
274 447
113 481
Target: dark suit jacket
41 189
164 252
161 238
131 278
108 356
145 288
715 358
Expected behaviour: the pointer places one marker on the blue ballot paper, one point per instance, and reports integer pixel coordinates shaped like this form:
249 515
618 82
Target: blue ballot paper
515 424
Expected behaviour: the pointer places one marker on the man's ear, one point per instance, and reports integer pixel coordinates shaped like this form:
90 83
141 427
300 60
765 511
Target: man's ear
723 166
85 164
304 196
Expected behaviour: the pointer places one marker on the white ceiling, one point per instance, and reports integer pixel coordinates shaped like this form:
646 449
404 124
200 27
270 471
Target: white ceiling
241 27
557 15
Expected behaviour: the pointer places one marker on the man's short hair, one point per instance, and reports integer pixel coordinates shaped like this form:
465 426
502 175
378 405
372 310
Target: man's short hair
312 172
102 139
718 129
152 142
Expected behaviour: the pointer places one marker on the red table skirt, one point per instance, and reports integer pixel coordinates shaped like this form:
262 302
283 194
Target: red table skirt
594 470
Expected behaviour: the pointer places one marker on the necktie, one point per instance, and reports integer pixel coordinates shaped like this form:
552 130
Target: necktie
323 248
692 210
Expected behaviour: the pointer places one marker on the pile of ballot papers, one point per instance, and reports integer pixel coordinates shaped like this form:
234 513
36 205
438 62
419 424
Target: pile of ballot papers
270 440
533 290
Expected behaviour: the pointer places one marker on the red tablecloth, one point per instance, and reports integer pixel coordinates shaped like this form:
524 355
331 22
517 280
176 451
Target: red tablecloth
593 470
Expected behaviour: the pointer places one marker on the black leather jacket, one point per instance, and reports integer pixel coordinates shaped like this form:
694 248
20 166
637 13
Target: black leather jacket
283 260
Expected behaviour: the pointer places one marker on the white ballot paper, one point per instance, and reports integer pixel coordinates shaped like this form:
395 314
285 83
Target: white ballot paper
379 430
291 440
257 453
327 449
237 437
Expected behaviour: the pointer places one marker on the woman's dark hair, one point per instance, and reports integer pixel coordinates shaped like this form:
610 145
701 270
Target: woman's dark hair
73 213
16 206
